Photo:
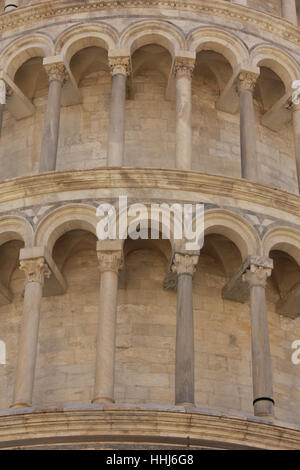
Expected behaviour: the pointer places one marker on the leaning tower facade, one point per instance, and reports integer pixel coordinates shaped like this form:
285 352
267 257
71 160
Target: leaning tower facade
138 341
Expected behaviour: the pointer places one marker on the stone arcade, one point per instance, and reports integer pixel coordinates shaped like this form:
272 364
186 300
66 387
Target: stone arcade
140 342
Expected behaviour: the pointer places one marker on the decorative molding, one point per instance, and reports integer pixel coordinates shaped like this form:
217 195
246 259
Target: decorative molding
109 261
148 178
120 65
184 264
178 426
247 81
256 276
35 13
35 270
56 71
184 67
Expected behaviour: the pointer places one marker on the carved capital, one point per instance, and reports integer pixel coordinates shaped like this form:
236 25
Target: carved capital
35 269
110 261
120 65
247 81
184 264
56 71
184 67
256 276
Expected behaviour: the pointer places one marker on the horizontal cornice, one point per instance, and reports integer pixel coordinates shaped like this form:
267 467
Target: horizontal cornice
41 11
143 424
43 184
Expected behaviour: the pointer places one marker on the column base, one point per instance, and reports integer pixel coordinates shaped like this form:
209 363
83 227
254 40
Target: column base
190 405
101 400
20 405
264 408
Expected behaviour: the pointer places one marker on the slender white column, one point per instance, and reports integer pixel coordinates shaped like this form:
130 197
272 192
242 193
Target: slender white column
184 265
183 70
246 85
35 270
109 264
120 67
289 10
295 108
263 401
57 75
3 91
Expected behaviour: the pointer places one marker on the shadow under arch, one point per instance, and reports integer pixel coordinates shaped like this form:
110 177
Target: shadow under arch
217 40
276 59
62 220
235 228
23 49
85 35
152 32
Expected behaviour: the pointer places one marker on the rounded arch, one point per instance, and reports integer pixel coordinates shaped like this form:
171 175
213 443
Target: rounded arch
62 220
278 61
16 228
85 35
235 228
23 49
283 239
217 40
152 32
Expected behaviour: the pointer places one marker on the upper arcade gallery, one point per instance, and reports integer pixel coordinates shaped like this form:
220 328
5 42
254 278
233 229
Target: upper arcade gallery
150 95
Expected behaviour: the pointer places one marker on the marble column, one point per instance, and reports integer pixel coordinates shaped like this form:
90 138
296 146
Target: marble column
120 67
183 70
109 264
295 108
184 266
289 11
249 163
35 270
263 402
57 75
2 101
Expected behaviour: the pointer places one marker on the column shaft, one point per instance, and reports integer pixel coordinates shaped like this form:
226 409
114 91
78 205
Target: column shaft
50 137
296 126
289 10
183 74
260 346
106 335
184 358
184 266
247 127
116 134
1 116
28 339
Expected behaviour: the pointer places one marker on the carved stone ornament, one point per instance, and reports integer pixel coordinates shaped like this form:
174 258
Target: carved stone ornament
184 264
247 81
35 269
257 276
109 260
120 65
184 67
56 71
